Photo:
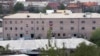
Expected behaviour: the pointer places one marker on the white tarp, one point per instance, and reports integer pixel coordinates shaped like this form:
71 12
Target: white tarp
70 43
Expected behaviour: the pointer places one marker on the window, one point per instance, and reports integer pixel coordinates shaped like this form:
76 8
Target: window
61 28
16 35
58 34
15 28
10 22
21 35
72 28
64 34
37 22
31 22
32 35
21 21
94 22
93 28
15 22
10 28
21 28
71 21
61 22
82 21
5 28
8 35
37 28
32 28
50 21
83 28
42 28
5 22
42 22
26 25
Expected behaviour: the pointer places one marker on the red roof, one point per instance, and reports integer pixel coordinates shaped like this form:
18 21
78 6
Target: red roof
54 5
90 4
73 5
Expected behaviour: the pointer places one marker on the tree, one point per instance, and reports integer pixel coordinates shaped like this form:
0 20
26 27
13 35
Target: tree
31 9
48 7
95 37
86 50
18 7
62 7
52 49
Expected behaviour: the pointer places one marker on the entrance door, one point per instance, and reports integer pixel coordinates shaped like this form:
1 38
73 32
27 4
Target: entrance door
32 35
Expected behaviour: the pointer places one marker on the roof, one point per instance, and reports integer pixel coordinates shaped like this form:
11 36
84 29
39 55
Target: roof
35 44
35 3
90 3
17 55
73 5
54 5
51 15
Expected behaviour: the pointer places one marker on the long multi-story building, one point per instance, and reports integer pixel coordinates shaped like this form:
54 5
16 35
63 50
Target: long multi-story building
62 25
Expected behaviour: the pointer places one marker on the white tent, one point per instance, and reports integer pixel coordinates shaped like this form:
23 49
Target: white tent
18 55
70 43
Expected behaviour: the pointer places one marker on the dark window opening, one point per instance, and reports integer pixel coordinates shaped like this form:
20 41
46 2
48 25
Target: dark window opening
74 35
93 28
42 28
32 28
31 22
61 28
42 22
50 21
10 22
72 28
58 34
5 28
37 28
21 35
21 28
83 28
15 28
72 22
61 22
10 28
32 35
16 35
82 21
64 34
94 22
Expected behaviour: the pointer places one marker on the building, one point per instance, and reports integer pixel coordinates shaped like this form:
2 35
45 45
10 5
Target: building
62 25
7 4
74 7
34 4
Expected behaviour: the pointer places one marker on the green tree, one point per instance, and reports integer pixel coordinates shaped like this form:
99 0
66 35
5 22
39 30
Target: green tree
52 49
86 50
62 7
48 7
95 37
18 7
49 34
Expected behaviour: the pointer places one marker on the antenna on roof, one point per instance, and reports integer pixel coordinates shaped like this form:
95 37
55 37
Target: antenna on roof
28 16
